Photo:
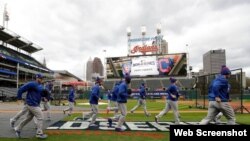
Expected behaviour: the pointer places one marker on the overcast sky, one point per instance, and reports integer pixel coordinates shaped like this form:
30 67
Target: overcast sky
72 31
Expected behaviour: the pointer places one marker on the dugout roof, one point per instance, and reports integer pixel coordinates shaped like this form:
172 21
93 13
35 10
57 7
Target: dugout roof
17 41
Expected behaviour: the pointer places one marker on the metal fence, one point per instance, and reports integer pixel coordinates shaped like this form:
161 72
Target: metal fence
238 102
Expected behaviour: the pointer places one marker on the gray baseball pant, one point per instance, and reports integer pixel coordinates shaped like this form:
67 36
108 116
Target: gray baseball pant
20 113
214 108
93 113
32 112
170 105
123 108
141 102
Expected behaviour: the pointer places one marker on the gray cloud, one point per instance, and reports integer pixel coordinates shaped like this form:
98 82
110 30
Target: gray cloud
70 31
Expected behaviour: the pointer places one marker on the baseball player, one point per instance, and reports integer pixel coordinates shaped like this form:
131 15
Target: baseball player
172 101
114 103
141 100
33 98
122 96
24 111
94 98
46 100
218 116
219 97
71 101
109 96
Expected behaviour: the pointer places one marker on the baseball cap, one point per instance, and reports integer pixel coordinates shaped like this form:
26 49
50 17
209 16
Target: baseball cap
225 70
98 80
39 76
127 77
172 80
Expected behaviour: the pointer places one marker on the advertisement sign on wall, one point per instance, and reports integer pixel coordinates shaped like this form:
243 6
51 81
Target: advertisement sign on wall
147 65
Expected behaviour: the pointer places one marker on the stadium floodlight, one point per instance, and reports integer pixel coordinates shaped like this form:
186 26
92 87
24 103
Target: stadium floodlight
128 34
158 28
143 30
128 31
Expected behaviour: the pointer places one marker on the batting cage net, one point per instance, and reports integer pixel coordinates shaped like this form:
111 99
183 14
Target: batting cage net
236 92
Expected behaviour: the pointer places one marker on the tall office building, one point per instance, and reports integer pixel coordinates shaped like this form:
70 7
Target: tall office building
164 47
213 60
89 70
98 66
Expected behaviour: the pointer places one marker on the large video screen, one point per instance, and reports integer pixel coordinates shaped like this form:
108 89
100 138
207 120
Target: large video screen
147 65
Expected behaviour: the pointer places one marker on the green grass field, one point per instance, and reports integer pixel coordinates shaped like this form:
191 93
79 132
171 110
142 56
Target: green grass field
154 107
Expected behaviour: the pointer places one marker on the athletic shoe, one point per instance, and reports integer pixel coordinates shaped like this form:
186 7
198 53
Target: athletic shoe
110 122
148 115
120 129
156 120
12 123
217 121
18 133
131 112
41 136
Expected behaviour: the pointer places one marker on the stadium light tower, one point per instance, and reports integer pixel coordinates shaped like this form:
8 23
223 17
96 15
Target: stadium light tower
189 68
6 17
158 30
129 35
143 33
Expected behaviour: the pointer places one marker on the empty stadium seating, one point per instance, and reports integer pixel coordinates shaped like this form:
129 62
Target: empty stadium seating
154 84
135 84
7 93
108 84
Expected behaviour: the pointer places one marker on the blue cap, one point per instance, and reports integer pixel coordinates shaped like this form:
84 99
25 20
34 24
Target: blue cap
142 83
98 80
127 77
172 80
39 76
225 70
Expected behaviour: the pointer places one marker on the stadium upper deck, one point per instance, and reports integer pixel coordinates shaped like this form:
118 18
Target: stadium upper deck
16 64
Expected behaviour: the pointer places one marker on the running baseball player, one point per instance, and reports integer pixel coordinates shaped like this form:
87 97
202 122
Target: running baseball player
122 96
172 101
94 98
45 104
141 100
219 98
33 98
109 96
71 101
114 99
219 116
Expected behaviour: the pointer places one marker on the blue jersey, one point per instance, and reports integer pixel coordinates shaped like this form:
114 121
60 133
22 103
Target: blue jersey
115 92
95 93
49 87
122 93
173 89
219 88
142 92
34 93
72 95
109 95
